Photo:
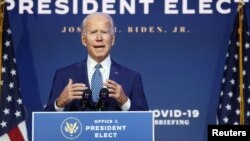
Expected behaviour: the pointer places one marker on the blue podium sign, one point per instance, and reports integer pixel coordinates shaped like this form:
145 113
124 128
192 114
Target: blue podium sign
89 126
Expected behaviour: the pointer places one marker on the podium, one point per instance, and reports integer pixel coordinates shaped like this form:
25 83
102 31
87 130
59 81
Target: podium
93 126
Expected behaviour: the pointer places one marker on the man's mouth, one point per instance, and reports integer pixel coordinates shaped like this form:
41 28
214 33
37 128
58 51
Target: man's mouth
101 46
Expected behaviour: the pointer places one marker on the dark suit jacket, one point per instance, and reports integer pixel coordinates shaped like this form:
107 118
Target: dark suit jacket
128 79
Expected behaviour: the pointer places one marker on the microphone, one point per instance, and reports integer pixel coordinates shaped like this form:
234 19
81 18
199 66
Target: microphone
86 97
103 102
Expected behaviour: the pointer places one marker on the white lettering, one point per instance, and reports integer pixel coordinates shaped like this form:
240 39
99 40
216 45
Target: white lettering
11 4
170 7
165 113
129 7
27 8
146 5
177 113
171 122
243 133
103 121
205 6
219 6
105 135
156 113
43 7
185 8
75 6
85 6
62 7
215 132
108 6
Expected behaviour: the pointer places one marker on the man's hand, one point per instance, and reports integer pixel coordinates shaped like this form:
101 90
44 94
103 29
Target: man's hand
70 92
116 92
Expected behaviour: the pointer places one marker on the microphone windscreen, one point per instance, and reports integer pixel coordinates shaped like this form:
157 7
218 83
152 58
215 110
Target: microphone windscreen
87 94
104 93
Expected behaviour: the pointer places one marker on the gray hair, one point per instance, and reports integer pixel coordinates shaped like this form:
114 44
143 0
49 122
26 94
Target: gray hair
83 26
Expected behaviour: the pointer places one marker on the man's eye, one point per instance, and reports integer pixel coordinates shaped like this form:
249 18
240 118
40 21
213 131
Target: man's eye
92 32
105 32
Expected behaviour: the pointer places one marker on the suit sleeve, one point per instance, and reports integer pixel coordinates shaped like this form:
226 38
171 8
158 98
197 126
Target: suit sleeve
56 89
138 99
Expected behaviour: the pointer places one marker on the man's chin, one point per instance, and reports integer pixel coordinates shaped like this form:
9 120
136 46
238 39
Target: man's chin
100 58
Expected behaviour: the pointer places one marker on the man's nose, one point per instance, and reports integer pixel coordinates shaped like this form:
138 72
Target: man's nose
99 36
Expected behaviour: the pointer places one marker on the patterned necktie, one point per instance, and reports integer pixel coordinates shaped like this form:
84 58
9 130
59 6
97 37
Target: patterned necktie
96 83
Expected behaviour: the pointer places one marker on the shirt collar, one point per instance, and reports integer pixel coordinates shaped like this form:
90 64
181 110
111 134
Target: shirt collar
106 63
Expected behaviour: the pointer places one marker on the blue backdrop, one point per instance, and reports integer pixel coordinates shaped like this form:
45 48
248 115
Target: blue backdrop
179 46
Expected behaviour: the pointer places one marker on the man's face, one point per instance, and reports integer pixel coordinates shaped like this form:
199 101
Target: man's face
98 37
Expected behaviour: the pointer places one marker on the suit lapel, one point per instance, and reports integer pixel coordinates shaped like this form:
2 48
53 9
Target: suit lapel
83 74
114 71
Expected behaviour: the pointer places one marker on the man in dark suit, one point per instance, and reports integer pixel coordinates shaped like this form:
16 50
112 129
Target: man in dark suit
124 85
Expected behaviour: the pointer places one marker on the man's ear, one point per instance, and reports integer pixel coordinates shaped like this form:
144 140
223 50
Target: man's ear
83 38
113 40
